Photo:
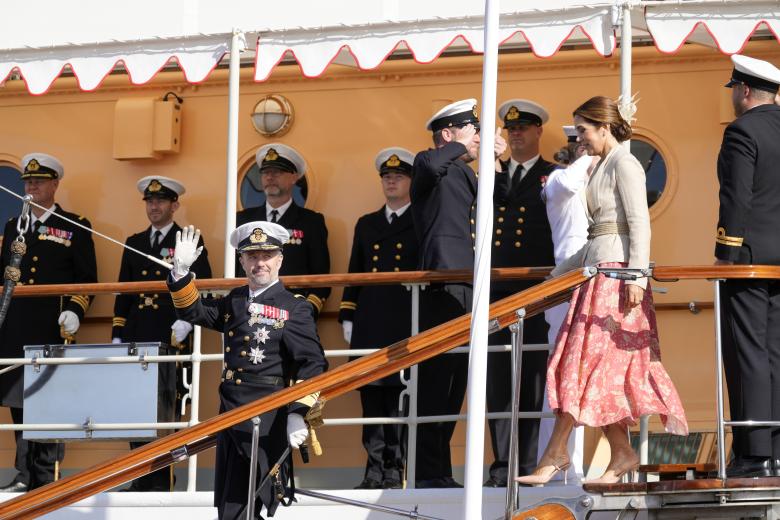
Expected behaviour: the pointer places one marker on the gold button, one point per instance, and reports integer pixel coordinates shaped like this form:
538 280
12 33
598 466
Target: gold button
518 231
500 219
374 258
141 295
522 209
156 296
230 333
396 269
517 244
397 257
376 247
473 235
35 259
502 208
31 281
373 269
140 306
498 243
238 381
246 338
143 272
243 353
399 245
472 222
227 349
155 306
520 221
240 369
32 269
498 231
157 273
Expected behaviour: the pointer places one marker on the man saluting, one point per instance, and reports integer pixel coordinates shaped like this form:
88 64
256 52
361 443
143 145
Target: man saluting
270 340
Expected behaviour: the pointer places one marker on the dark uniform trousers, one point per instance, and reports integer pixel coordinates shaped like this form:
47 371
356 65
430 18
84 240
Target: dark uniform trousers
57 253
148 317
305 253
521 238
443 194
269 340
747 234
381 316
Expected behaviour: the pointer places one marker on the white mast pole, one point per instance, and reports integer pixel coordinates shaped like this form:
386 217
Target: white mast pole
475 426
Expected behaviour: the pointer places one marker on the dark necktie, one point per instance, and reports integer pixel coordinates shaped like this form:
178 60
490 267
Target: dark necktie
393 216
274 215
34 229
517 176
156 241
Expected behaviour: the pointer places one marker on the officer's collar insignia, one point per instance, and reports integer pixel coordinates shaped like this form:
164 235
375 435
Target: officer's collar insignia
154 186
33 165
393 161
271 155
474 111
258 237
513 114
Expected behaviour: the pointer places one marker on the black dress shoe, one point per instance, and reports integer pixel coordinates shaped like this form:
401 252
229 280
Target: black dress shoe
15 486
494 483
391 483
429 483
449 482
776 467
369 483
749 468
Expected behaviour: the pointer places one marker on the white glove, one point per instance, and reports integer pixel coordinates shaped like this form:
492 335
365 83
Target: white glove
346 325
69 321
116 340
297 432
180 330
187 251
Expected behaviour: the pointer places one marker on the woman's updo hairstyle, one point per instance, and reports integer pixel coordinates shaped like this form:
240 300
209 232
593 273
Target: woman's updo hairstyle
600 111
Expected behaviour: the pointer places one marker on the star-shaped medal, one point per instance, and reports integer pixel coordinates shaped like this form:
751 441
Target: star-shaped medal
256 355
262 335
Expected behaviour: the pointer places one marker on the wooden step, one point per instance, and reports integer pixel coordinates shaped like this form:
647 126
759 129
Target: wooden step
680 471
668 486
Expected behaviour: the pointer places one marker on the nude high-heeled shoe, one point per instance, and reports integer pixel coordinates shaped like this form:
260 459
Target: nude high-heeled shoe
613 476
545 472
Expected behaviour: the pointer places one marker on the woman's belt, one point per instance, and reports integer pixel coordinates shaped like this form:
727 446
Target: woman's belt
252 379
607 228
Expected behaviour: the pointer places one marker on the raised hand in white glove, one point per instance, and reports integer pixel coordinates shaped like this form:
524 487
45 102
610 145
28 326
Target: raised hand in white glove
69 322
116 340
187 251
346 326
297 432
180 330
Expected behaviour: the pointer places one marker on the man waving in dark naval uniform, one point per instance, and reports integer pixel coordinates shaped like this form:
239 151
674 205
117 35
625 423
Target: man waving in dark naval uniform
281 166
270 341
151 317
58 252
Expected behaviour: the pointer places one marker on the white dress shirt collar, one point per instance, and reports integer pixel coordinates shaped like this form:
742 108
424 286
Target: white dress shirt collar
163 232
258 292
281 209
398 212
527 165
43 217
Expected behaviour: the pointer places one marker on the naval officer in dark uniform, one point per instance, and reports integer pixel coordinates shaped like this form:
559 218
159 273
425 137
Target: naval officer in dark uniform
58 252
443 195
379 315
747 234
270 341
151 317
521 238
307 252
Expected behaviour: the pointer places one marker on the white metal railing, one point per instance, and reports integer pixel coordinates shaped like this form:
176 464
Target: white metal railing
409 379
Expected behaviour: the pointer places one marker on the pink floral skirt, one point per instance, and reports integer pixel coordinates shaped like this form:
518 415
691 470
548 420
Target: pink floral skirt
606 367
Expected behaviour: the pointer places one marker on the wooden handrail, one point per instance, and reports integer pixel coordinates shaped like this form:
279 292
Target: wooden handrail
400 355
661 273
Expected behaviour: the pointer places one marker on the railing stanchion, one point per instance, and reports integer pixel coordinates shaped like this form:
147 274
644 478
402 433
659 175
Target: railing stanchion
516 330
719 386
250 504
643 439
192 463
411 392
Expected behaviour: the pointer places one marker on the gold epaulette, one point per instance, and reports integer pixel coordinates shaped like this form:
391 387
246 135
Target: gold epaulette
727 240
185 296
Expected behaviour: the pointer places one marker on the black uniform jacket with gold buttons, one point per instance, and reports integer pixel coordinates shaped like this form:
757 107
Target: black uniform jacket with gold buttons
381 314
305 253
57 253
148 317
749 175
278 341
521 231
443 193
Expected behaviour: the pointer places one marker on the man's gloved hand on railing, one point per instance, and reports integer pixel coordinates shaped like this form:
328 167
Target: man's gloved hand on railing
187 251
346 326
180 330
69 322
297 431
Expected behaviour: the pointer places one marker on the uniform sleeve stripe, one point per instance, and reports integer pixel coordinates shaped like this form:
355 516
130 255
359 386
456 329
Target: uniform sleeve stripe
81 301
316 301
185 296
348 306
119 322
736 242
307 400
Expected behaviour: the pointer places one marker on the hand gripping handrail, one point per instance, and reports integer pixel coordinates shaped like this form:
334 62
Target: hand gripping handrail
398 356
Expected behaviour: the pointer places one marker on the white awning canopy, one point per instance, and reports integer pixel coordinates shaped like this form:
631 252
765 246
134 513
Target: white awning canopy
40 40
